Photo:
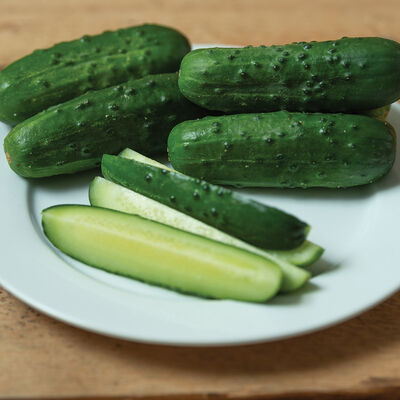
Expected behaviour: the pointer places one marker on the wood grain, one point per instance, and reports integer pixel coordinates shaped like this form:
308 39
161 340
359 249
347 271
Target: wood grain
29 24
42 358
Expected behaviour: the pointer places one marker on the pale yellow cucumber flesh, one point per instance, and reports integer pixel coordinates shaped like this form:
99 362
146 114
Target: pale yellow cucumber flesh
103 193
129 245
134 155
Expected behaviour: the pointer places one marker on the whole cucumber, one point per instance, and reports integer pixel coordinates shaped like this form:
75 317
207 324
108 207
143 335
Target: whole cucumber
74 135
284 149
69 69
346 75
255 223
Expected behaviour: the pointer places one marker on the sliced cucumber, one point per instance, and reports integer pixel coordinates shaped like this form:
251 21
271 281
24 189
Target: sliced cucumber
302 256
159 254
103 193
134 155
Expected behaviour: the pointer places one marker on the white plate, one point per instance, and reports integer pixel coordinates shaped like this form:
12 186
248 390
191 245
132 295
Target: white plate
358 227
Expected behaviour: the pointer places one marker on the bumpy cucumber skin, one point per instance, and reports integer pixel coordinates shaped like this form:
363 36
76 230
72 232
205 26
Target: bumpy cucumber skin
255 223
69 69
284 150
74 135
346 75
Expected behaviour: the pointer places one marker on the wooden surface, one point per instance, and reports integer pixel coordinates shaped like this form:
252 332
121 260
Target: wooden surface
30 24
42 358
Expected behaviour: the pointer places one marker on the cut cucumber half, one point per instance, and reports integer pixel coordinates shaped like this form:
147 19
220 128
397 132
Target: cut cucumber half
159 254
103 193
134 155
302 256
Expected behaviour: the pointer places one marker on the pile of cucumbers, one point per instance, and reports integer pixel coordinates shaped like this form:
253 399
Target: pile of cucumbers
281 138
295 116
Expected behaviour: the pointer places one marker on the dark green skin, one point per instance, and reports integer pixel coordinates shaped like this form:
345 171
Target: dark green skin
346 75
255 223
74 135
284 149
69 69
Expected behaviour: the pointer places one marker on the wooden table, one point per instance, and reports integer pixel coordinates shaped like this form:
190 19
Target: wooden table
42 358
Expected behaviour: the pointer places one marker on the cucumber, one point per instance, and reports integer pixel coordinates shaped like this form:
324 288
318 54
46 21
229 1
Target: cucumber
346 75
158 254
230 212
134 155
106 194
283 149
73 136
69 69
303 256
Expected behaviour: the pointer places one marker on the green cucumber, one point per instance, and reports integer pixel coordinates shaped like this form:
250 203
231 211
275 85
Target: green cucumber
303 256
346 75
158 254
230 212
283 149
69 69
106 194
73 136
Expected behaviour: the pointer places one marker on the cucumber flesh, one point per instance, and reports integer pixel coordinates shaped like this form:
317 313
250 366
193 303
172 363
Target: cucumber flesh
134 155
106 194
302 256
159 254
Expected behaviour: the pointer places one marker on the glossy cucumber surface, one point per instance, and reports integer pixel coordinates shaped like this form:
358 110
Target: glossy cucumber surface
70 69
284 149
346 75
74 135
